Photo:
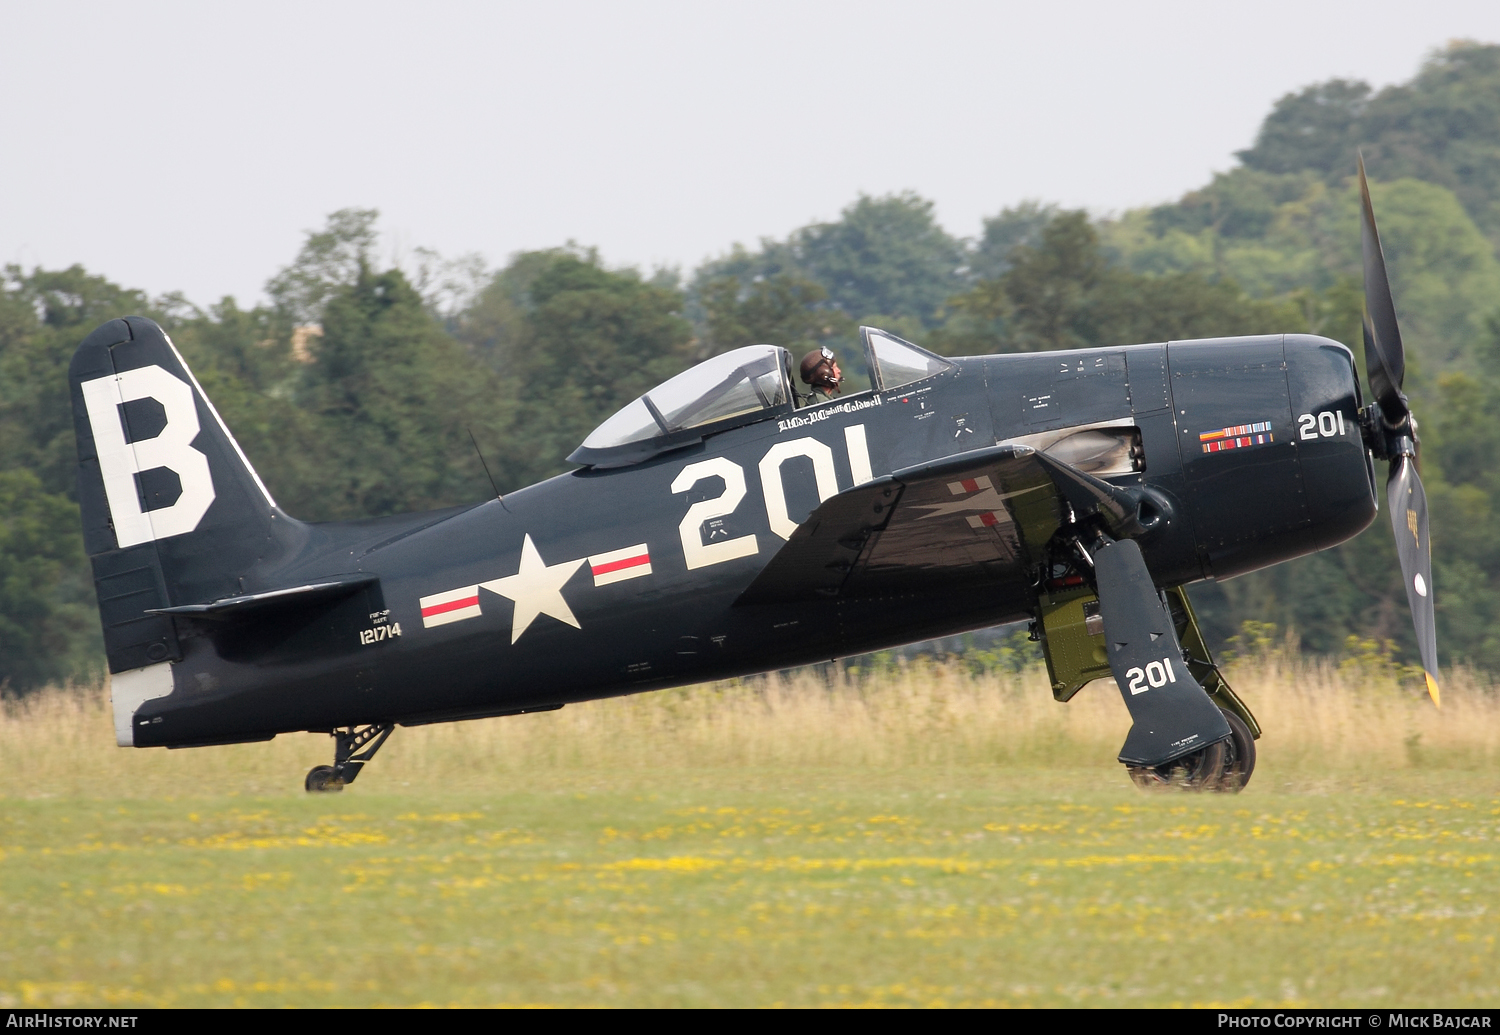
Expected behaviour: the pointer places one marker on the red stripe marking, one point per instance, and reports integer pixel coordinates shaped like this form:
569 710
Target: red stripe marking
988 517
629 562
452 605
970 485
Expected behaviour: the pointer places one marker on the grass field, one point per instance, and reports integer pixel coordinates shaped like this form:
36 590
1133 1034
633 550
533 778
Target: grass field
918 835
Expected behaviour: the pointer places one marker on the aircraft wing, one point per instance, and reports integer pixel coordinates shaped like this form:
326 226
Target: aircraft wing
980 516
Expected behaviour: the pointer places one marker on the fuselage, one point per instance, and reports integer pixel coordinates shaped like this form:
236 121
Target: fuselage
605 582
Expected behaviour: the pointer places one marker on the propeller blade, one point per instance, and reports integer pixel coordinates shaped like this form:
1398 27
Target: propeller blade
1385 359
1408 504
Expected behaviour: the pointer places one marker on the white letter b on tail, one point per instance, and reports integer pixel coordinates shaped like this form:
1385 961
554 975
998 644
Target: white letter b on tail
172 448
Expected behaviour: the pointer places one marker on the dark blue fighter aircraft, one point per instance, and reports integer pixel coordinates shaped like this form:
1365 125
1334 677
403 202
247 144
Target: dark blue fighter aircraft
716 528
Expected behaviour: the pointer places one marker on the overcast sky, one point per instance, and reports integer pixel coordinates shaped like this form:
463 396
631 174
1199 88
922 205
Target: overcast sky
190 146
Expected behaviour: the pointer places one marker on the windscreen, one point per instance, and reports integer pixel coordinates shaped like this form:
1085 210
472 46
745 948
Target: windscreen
897 362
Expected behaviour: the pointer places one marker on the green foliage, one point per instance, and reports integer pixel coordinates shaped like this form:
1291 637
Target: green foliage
46 599
1279 234
1443 271
883 258
495 326
1003 233
605 335
243 359
49 629
589 341
1009 656
1314 128
1460 440
552 345
330 259
1443 128
1051 286
396 399
783 309
1289 234
1374 662
1063 292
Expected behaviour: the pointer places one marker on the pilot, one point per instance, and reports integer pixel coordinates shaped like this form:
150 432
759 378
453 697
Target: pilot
820 371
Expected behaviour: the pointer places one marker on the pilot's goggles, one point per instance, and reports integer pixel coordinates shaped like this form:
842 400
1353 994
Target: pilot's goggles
829 360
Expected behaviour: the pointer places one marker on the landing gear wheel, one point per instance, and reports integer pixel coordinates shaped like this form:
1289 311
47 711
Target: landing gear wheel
1239 759
352 748
1199 771
1225 766
321 779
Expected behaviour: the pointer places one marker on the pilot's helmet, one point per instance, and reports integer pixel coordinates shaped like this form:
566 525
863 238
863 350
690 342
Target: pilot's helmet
813 362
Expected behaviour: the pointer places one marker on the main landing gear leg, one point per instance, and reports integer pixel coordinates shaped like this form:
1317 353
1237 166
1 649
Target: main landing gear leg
1164 706
352 748
1178 733
1239 752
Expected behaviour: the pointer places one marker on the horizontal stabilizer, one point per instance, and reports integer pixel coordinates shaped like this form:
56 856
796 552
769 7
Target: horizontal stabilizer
227 608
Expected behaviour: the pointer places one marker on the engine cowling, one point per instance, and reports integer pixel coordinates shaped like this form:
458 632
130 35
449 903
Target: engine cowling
1273 457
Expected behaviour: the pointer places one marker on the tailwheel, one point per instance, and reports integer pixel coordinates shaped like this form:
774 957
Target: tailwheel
352 748
1225 766
321 780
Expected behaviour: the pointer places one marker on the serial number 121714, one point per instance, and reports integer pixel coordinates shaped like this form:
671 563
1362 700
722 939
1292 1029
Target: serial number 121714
380 632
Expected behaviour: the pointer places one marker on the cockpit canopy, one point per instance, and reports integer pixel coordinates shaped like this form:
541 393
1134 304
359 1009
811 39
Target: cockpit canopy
736 388
745 383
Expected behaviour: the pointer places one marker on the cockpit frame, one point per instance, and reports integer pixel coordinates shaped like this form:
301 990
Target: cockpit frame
886 375
627 438
656 423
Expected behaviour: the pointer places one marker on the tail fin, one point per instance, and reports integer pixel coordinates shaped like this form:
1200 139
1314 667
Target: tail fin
173 513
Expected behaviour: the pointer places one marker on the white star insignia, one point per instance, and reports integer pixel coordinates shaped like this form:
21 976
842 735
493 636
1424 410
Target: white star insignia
536 590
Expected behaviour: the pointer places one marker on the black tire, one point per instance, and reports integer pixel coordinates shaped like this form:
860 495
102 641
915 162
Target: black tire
1200 771
1225 767
1239 763
320 780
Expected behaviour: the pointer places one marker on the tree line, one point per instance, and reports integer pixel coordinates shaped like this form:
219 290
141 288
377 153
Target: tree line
360 388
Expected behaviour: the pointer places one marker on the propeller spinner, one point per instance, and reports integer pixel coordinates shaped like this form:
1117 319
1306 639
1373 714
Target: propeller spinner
1391 433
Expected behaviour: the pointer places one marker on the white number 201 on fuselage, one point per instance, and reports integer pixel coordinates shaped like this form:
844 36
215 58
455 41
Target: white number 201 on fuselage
699 554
